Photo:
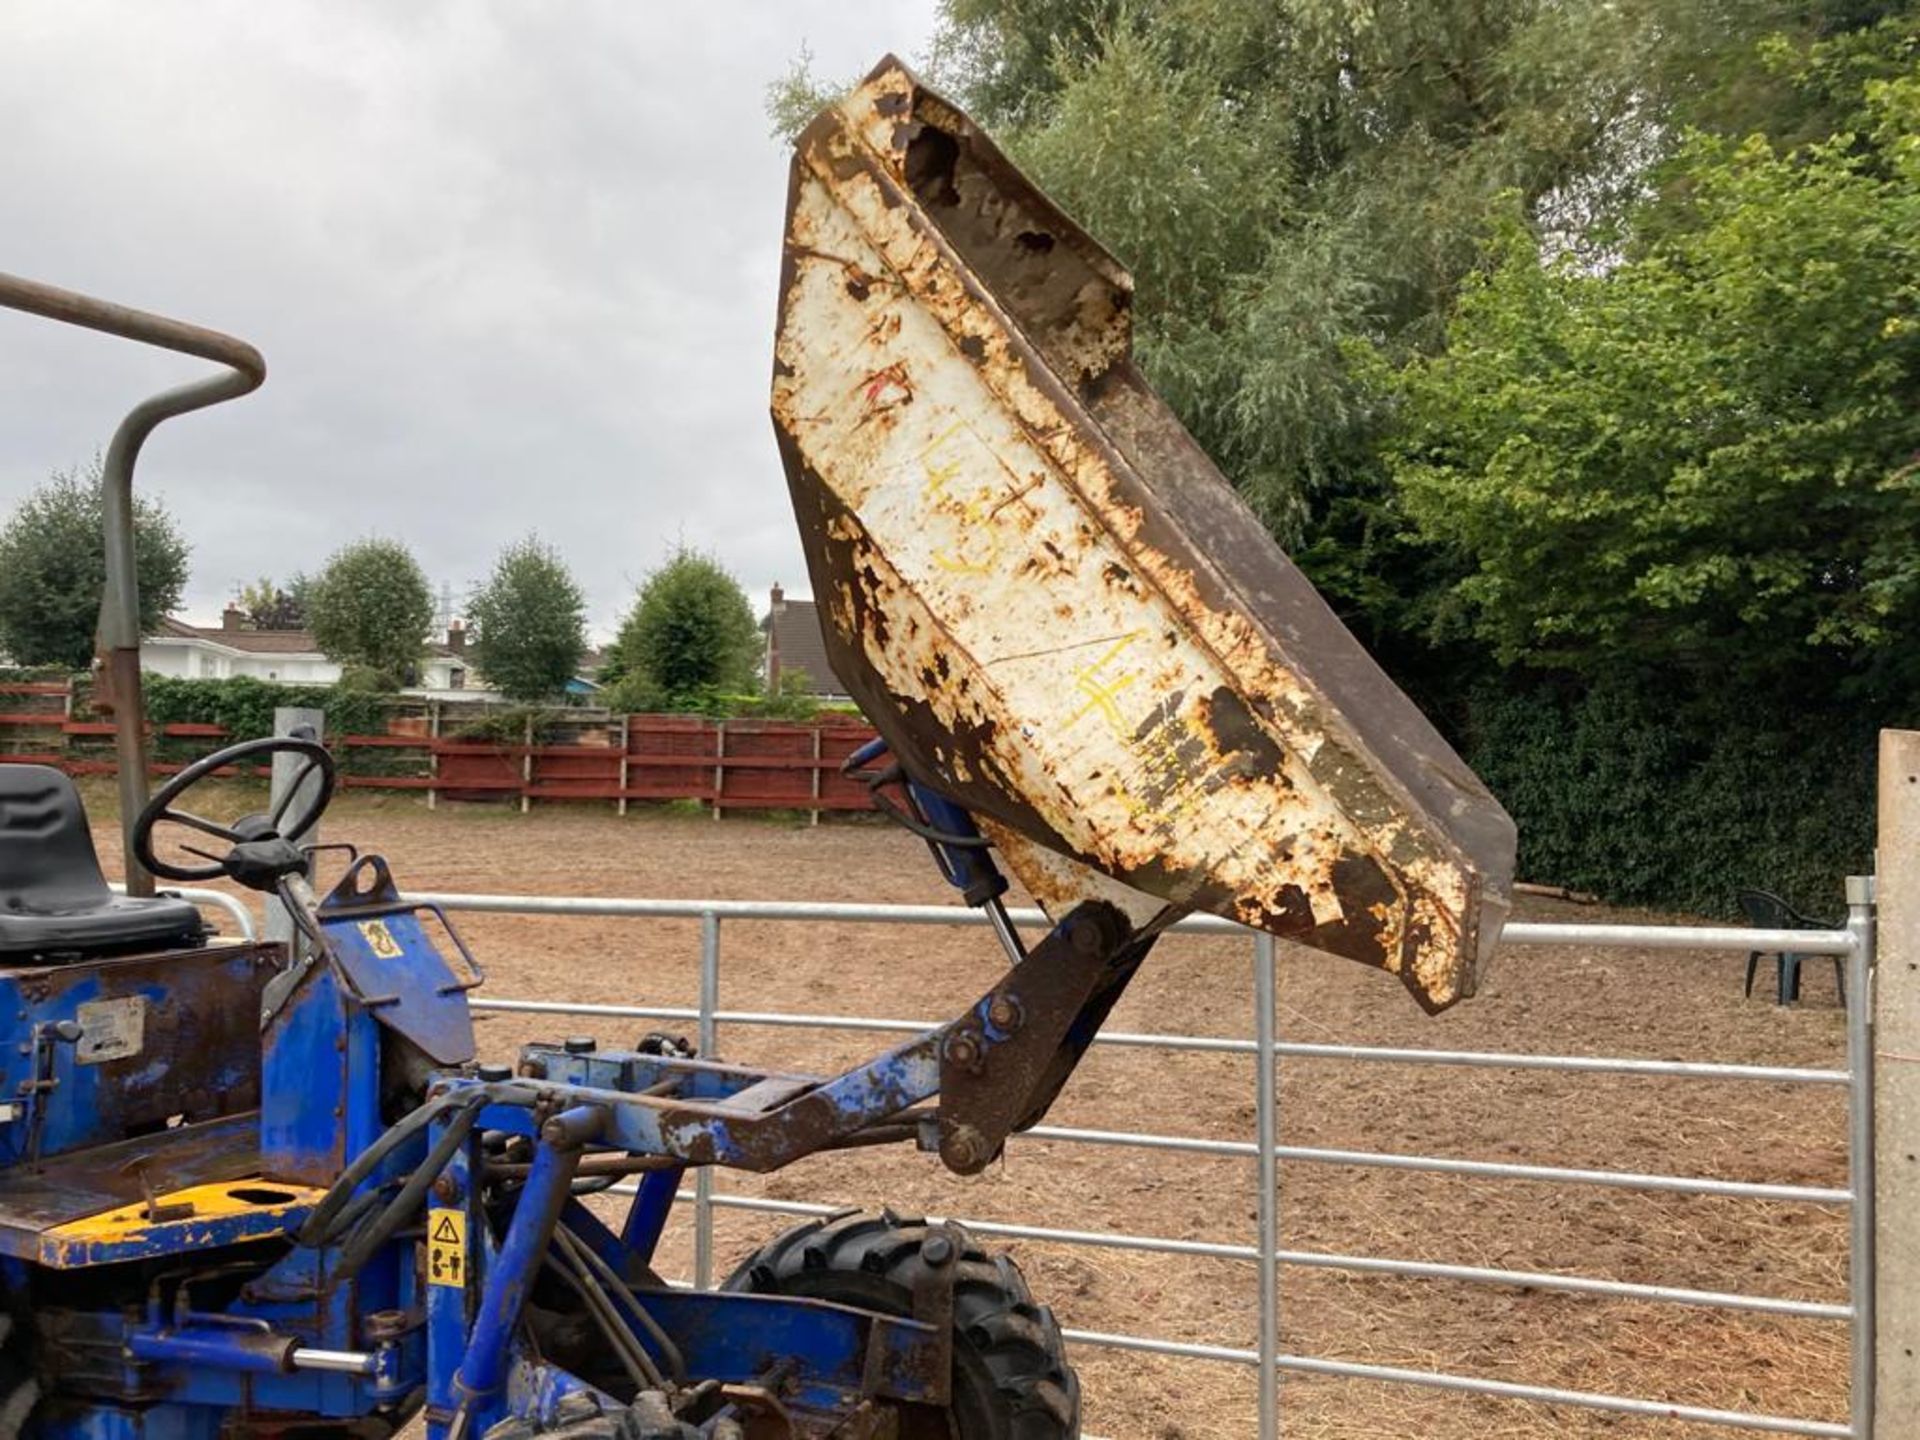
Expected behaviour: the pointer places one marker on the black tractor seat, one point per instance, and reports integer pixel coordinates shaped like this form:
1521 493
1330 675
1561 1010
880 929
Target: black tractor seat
54 902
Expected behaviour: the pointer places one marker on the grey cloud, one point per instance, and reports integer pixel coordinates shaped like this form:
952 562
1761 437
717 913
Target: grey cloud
512 267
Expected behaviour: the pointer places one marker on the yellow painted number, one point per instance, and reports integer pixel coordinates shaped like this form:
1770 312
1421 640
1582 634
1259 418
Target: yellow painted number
447 1247
380 939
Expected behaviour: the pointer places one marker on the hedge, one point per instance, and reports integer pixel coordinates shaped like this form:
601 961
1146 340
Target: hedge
1650 790
245 706
1655 792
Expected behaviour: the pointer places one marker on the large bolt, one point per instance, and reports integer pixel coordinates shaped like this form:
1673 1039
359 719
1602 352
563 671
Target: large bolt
446 1190
963 1051
386 1325
1005 1013
937 1248
581 1045
495 1074
965 1150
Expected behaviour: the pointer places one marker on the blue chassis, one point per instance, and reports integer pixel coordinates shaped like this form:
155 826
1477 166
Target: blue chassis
248 1359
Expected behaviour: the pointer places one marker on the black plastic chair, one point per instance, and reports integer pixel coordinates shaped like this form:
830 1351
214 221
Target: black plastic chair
1767 911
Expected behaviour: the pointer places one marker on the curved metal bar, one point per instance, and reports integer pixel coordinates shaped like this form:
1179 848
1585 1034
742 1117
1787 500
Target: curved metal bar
216 899
118 641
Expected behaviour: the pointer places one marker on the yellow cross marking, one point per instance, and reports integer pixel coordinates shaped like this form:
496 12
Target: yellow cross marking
1103 693
939 474
974 514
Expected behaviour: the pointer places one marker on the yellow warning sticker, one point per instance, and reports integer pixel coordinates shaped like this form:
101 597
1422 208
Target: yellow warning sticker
447 1247
380 939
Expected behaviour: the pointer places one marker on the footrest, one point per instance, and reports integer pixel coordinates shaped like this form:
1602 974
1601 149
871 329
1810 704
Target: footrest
62 1212
199 1217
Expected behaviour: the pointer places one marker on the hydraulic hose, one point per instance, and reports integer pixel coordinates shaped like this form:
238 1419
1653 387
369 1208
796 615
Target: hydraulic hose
322 1225
676 1362
380 1229
577 1255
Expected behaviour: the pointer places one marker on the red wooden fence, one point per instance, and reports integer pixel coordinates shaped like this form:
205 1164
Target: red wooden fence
725 764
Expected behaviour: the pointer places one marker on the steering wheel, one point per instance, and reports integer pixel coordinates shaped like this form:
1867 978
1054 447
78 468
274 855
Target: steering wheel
163 809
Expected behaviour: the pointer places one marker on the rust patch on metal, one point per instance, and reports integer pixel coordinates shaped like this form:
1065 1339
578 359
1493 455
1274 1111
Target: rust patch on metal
1045 596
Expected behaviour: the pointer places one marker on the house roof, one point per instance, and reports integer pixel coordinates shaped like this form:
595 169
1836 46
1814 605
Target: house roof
254 642
795 629
258 642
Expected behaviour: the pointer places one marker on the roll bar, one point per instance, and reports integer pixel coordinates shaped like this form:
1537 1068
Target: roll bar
118 639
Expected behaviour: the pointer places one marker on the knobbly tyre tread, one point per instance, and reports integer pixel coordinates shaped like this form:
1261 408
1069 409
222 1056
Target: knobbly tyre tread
1007 1349
596 1427
647 1419
19 1389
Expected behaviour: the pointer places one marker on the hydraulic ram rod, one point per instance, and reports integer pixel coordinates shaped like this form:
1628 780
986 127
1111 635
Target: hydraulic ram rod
118 642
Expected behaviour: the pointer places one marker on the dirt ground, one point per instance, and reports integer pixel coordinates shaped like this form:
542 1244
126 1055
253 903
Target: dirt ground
1641 1003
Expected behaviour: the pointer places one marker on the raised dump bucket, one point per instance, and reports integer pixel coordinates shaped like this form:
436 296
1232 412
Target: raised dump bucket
1049 601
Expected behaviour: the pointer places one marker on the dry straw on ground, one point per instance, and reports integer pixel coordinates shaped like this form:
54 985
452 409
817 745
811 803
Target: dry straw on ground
1644 1003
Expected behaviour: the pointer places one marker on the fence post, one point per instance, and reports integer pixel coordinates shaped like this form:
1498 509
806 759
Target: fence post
1266 1122
526 765
815 812
719 764
1891 1006
287 719
1861 1100
708 1042
433 755
626 760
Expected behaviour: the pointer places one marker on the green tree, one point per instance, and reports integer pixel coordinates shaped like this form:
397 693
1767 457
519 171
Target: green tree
690 635
53 569
529 623
792 698
1569 347
271 606
1300 186
370 609
797 96
1708 454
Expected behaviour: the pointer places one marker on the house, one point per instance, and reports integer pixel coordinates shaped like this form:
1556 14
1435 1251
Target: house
195 652
445 670
794 642
289 657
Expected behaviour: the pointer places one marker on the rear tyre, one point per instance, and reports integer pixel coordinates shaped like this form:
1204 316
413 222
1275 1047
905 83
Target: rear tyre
648 1418
1011 1379
19 1390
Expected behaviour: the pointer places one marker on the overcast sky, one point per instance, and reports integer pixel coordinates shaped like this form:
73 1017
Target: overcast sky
512 267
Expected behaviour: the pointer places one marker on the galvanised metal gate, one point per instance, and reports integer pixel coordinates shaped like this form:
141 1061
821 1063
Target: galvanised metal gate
1854 944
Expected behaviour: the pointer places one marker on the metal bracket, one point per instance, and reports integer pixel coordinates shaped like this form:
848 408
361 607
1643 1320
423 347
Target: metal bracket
384 951
940 1254
1001 1065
